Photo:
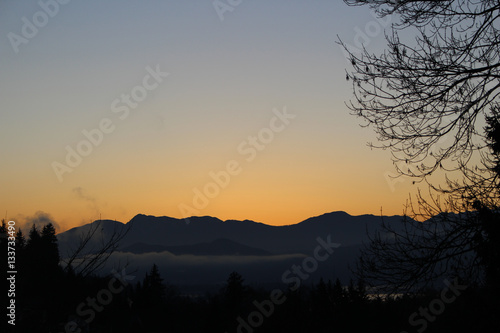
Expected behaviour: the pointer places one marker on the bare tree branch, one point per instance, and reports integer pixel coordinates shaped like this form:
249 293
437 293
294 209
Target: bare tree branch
86 260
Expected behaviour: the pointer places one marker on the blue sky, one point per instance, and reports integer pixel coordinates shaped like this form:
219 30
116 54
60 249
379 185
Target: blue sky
225 77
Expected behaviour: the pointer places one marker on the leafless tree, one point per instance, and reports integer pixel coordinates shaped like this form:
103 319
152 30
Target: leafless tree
441 84
94 248
433 101
418 255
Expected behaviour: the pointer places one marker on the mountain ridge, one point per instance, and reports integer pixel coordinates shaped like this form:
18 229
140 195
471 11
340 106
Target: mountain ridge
294 238
197 218
186 254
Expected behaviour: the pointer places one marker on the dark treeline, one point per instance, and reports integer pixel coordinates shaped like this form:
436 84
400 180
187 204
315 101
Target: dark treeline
50 298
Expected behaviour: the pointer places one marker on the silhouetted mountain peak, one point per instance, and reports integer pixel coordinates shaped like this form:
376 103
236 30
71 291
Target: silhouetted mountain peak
203 230
104 224
142 218
202 219
332 216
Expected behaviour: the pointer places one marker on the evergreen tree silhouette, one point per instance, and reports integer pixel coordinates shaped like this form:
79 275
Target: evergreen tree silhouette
151 301
20 240
40 296
338 294
234 298
3 228
234 289
153 287
49 248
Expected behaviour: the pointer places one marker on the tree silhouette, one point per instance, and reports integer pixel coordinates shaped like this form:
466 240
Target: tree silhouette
34 238
34 258
465 244
338 294
39 279
153 287
50 249
3 228
427 99
235 290
235 300
443 84
20 240
86 259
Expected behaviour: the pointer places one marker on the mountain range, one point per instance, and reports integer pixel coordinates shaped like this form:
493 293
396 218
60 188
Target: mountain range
204 250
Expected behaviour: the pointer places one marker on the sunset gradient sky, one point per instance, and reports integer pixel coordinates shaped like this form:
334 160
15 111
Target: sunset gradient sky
227 79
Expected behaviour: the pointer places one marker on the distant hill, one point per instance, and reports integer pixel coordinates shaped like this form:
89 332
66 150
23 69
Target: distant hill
205 250
165 231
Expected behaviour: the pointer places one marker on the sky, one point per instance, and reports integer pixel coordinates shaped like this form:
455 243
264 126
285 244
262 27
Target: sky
234 109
